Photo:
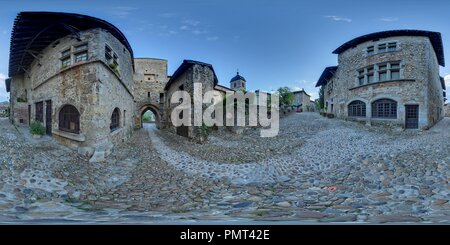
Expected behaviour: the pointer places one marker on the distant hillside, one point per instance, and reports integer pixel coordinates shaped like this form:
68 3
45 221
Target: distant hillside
4 103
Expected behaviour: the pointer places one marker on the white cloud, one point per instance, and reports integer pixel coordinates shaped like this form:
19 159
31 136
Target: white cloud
3 94
295 88
389 19
121 11
198 32
214 38
167 15
338 18
184 27
191 22
447 82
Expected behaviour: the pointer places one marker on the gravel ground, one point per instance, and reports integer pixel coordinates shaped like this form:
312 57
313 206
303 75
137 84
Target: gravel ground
317 170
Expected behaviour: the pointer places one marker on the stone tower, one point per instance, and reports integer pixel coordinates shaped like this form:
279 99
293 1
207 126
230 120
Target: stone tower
238 82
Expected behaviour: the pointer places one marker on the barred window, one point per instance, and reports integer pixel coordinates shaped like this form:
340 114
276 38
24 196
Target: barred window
370 50
115 120
69 119
357 109
384 108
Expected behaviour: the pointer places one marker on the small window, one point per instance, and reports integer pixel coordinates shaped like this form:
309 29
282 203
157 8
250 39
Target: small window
69 119
65 62
148 94
108 53
65 52
382 67
392 47
83 56
383 76
81 47
115 120
395 75
161 97
361 80
395 66
370 78
382 48
371 50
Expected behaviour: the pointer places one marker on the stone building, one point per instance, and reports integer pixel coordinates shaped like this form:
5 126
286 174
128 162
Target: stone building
447 110
76 75
150 78
301 100
390 78
73 73
183 79
4 109
238 82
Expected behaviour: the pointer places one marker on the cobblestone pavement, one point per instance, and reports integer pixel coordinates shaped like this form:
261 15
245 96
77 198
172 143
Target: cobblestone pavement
316 170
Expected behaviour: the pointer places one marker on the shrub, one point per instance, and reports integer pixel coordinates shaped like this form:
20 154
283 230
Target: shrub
36 128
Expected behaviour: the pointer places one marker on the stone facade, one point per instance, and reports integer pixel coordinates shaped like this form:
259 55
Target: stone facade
189 73
447 110
89 92
90 85
150 78
302 100
408 73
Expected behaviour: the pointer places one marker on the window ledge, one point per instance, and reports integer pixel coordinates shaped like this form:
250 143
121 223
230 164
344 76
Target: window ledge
72 136
376 83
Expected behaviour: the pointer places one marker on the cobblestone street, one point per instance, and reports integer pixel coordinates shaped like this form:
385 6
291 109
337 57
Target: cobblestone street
316 170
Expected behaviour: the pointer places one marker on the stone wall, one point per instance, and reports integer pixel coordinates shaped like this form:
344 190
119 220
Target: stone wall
92 86
194 74
447 110
150 78
419 69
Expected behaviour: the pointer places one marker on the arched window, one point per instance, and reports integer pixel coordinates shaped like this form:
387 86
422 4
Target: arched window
384 108
357 109
115 120
69 119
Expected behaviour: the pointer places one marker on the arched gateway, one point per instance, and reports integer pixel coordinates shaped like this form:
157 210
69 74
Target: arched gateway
148 107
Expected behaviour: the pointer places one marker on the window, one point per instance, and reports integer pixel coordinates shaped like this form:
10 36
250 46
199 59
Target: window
161 98
148 94
395 71
384 108
392 47
65 62
69 119
108 53
65 52
382 72
361 77
382 48
371 50
357 109
81 47
115 120
370 76
83 56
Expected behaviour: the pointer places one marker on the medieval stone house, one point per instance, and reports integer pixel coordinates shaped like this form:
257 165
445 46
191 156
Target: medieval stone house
302 100
389 78
76 74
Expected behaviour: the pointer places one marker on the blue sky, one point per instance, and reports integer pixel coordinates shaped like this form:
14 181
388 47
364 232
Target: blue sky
272 43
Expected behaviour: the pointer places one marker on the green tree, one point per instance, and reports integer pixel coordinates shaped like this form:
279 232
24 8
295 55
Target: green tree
286 96
321 99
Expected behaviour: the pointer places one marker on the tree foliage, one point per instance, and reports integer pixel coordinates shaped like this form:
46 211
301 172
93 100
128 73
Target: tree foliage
286 96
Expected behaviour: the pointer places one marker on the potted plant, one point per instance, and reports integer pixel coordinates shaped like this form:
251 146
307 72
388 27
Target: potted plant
37 129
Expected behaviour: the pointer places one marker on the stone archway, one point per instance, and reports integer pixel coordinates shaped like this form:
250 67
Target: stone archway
148 107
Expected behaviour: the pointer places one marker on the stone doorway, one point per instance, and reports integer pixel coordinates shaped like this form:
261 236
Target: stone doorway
149 114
